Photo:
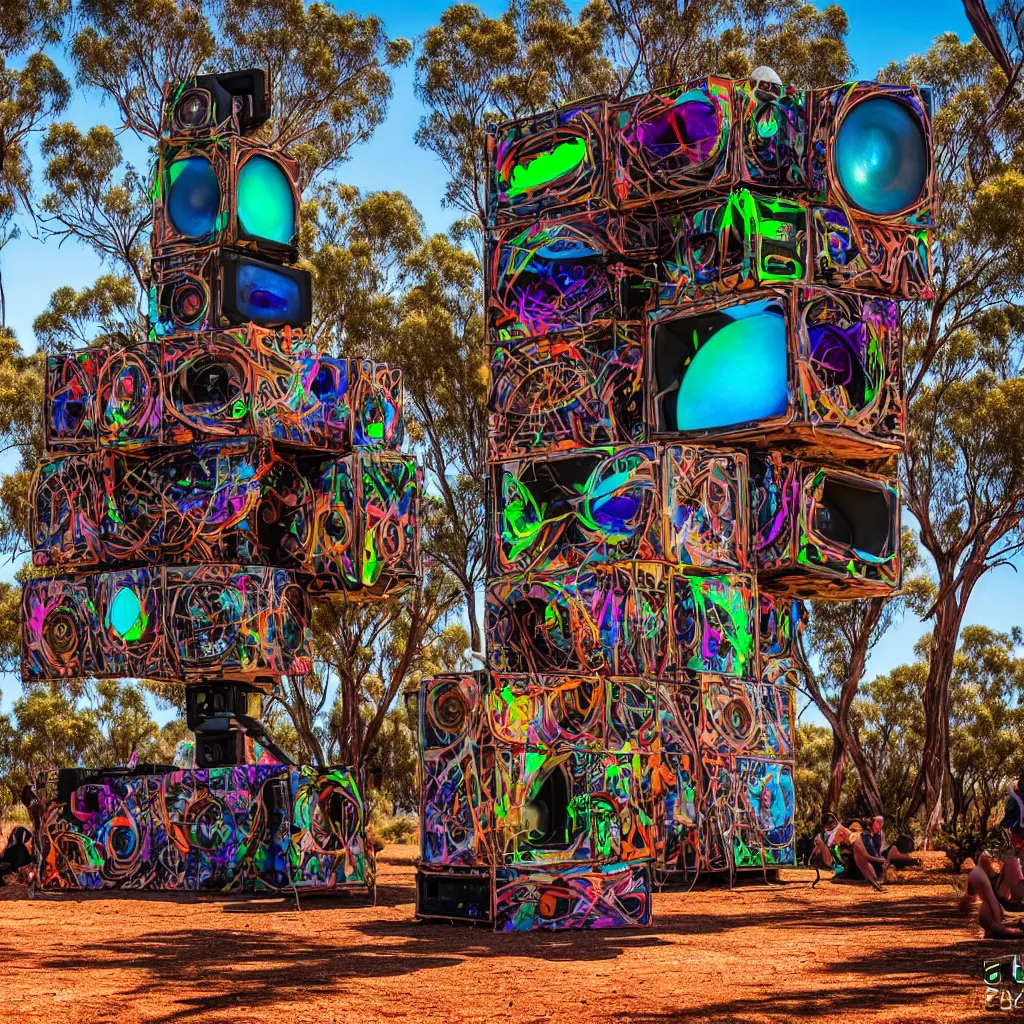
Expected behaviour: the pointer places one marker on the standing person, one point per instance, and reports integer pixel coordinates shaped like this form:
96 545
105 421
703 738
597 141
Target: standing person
1013 816
17 853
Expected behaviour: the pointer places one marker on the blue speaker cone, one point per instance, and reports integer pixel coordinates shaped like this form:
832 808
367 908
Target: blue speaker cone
881 157
193 196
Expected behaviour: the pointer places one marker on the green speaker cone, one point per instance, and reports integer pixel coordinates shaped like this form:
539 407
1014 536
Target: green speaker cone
266 203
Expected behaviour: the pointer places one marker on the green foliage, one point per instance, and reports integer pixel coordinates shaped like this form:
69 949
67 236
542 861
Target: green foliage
962 840
660 42
104 313
813 761
95 199
401 830
986 744
384 290
889 719
32 92
29 96
963 477
394 755
329 68
101 725
473 69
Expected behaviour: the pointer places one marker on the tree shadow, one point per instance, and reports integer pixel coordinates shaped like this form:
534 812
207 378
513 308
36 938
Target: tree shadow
218 970
908 981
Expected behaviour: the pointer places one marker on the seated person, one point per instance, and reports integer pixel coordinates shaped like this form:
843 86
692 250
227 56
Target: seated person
17 853
882 854
991 915
1006 879
842 836
825 851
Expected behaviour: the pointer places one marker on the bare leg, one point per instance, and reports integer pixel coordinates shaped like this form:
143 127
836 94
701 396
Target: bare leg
902 860
990 914
1012 885
863 862
823 852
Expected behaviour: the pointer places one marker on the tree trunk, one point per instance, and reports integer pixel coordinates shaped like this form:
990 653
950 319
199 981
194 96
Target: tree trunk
475 639
948 617
836 776
843 740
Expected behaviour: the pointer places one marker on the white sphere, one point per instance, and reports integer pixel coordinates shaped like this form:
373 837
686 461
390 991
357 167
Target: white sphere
765 74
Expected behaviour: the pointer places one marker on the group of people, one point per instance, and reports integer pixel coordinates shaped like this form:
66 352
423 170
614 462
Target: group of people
869 852
999 884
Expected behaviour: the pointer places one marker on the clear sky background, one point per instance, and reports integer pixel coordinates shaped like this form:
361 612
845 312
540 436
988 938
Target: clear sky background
880 31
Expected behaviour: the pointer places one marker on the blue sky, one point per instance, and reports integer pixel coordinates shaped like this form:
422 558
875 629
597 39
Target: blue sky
880 31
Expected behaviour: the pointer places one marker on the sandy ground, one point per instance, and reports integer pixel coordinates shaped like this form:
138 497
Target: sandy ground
755 954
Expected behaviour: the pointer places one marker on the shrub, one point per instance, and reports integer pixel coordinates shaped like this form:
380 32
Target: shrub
401 830
962 840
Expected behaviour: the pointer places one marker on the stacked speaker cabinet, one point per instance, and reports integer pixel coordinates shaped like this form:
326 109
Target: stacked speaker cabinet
199 488
696 402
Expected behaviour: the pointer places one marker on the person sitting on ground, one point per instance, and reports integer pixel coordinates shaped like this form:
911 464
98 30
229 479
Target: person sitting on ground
842 836
882 854
1006 878
991 915
824 846
17 853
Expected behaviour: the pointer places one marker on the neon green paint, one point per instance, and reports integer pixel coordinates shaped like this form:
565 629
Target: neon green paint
547 167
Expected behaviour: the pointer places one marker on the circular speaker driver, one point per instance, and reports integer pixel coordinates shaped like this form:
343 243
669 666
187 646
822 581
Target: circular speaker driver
189 302
737 720
193 109
448 708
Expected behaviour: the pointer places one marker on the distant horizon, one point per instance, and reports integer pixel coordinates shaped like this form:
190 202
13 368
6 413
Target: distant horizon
390 160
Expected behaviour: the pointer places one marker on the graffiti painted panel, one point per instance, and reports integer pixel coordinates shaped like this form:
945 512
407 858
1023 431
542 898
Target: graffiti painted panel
781 620
242 830
714 619
456 814
850 252
763 829
604 896
825 531
551 277
771 133
555 162
242 174
674 143
707 507
558 393
745 718
70 411
547 710
328 846
677 777
597 505
560 805
607 619
851 366
177 623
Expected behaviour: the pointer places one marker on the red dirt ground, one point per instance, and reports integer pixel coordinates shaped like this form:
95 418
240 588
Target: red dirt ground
755 954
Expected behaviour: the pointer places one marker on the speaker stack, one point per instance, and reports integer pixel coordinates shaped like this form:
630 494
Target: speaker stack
696 403
200 484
